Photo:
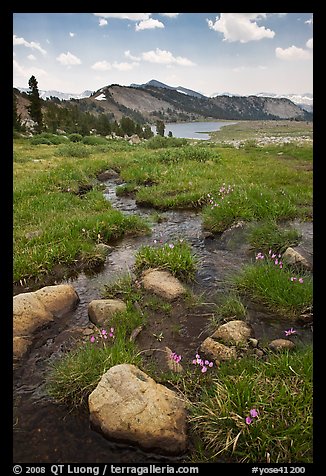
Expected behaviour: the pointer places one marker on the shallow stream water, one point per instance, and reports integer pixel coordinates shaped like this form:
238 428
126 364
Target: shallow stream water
47 432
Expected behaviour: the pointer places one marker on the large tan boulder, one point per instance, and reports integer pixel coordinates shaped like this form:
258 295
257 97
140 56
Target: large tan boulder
29 314
34 310
100 311
217 351
58 299
128 405
233 332
163 284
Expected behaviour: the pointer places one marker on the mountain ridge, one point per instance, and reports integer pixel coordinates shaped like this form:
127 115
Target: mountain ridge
150 102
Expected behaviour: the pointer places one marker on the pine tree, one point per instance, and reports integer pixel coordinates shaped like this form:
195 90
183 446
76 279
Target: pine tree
35 107
160 127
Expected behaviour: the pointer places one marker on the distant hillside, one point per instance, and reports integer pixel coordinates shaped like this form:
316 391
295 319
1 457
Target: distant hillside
148 103
305 100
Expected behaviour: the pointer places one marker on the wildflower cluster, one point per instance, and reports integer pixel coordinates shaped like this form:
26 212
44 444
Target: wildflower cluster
223 191
273 256
278 262
290 332
294 279
175 357
204 364
253 414
103 335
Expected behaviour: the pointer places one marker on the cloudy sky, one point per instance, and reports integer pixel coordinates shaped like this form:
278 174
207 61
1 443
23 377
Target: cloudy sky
244 53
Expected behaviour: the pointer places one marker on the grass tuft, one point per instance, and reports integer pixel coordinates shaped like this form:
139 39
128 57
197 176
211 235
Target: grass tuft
174 257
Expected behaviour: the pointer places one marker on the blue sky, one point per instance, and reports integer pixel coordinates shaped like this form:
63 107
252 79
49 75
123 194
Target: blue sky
244 53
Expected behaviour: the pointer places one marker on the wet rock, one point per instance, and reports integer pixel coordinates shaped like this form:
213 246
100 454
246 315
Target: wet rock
233 332
20 346
128 405
108 174
58 299
103 249
34 310
281 344
29 314
217 351
294 258
100 311
163 283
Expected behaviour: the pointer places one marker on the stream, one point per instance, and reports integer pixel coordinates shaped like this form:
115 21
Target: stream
47 432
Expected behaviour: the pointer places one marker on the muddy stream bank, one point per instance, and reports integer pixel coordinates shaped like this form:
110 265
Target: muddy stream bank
47 432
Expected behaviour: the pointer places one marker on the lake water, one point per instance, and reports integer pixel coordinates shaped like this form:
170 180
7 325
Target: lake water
193 130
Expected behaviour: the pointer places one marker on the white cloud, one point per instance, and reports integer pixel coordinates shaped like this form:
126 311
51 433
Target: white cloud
68 59
165 57
101 66
171 15
310 21
292 53
102 22
106 66
149 24
125 16
29 44
71 34
31 57
131 57
26 73
241 27
309 43
123 66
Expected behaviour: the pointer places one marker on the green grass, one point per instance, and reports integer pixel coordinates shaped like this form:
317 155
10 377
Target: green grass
280 389
266 283
249 203
269 235
68 225
174 257
73 377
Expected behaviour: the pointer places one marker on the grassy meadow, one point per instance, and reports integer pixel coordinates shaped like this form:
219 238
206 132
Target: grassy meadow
60 214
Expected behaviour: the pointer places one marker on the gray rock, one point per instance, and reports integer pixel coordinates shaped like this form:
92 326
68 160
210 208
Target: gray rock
108 174
163 283
100 311
103 249
127 405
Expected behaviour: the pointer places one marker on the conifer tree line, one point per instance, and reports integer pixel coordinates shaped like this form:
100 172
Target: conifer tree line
50 116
